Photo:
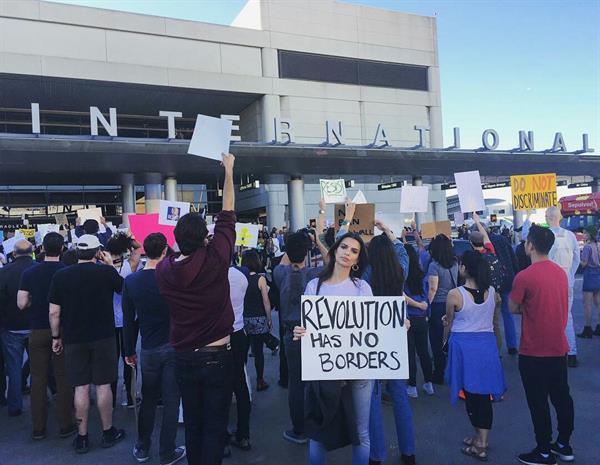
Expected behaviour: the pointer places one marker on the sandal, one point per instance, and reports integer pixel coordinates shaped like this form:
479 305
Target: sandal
480 453
470 441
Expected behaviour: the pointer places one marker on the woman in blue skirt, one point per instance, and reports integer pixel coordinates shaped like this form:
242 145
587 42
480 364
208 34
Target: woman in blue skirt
473 359
590 262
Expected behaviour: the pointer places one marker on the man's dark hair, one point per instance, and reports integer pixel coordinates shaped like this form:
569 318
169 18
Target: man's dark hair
296 247
69 257
542 239
91 227
190 233
86 254
53 244
119 244
251 260
154 244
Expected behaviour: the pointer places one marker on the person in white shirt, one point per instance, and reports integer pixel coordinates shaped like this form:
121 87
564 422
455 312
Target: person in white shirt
238 283
565 253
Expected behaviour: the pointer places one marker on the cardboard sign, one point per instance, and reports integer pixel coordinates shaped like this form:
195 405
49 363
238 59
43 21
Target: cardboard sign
89 214
333 190
28 233
354 338
143 225
533 191
414 199
470 194
169 211
211 137
246 234
363 222
430 230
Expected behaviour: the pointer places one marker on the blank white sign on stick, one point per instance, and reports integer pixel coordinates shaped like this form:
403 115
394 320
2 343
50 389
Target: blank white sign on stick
89 214
414 199
470 194
333 190
211 137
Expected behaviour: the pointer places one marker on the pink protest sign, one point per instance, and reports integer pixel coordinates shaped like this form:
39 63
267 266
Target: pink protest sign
143 225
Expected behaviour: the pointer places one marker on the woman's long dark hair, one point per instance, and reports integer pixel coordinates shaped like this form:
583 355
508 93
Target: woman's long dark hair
478 268
441 251
363 260
414 281
387 277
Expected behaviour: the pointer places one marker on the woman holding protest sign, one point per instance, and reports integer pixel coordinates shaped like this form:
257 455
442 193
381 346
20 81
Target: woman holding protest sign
337 412
388 266
473 359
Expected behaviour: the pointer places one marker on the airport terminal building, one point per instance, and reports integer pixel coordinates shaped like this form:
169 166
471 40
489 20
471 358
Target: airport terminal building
102 98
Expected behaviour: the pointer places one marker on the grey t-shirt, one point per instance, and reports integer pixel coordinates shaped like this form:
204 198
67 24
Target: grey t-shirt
447 279
291 286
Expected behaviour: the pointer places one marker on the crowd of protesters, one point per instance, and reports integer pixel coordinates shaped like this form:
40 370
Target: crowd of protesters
187 321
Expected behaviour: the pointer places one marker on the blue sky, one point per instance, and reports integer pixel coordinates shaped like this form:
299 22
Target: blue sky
507 65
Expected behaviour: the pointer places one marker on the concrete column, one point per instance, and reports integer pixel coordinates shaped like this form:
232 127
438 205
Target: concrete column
128 198
296 203
517 223
171 189
276 205
271 109
596 184
418 181
152 195
440 206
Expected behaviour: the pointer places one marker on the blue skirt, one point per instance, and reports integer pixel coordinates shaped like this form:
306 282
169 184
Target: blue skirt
474 365
591 279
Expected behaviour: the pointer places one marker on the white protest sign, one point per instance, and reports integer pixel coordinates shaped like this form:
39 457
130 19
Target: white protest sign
43 229
470 194
354 338
459 219
359 198
333 190
9 244
170 211
89 214
394 221
211 137
246 234
414 199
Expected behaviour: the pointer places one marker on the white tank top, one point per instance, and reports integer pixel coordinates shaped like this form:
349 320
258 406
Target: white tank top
472 317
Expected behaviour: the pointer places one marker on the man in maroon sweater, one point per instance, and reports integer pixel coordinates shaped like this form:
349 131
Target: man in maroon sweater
196 287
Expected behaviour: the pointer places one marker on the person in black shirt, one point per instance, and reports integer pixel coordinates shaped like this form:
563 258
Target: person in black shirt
82 318
33 296
142 300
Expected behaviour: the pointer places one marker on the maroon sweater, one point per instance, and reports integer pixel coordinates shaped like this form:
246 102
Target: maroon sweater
197 290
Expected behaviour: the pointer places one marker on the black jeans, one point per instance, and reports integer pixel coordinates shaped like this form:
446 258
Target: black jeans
479 409
205 381
419 344
283 368
545 377
158 379
295 383
239 351
2 375
127 370
436 336
257 343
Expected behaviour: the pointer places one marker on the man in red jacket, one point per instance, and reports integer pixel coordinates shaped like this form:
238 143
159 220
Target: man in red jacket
196 287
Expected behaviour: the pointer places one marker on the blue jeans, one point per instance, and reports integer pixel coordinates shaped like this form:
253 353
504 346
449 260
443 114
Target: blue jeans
206 384
402 414
14 345
158 378
361 397
510 335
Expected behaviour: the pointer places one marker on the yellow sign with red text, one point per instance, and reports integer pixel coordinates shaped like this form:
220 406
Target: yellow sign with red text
533 191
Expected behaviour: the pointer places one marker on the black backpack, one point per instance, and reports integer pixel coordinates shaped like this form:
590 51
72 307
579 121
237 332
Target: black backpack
497 271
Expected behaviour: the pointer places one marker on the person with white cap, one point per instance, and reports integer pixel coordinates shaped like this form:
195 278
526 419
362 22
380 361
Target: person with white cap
83 325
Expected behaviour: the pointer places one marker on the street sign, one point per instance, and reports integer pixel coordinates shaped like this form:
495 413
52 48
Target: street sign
451 185
495 185
389 185
251 185
575 185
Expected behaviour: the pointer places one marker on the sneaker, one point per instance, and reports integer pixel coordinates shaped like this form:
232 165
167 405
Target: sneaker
141 455
38 435
572 361
428 388
408 459
565 453
243 443
587 333
178 454
412 391
112 436
536 458
81 444
513 351
294 437
68 431
597 330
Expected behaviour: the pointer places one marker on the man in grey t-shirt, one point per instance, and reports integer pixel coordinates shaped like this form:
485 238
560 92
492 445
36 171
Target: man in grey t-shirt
291 277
